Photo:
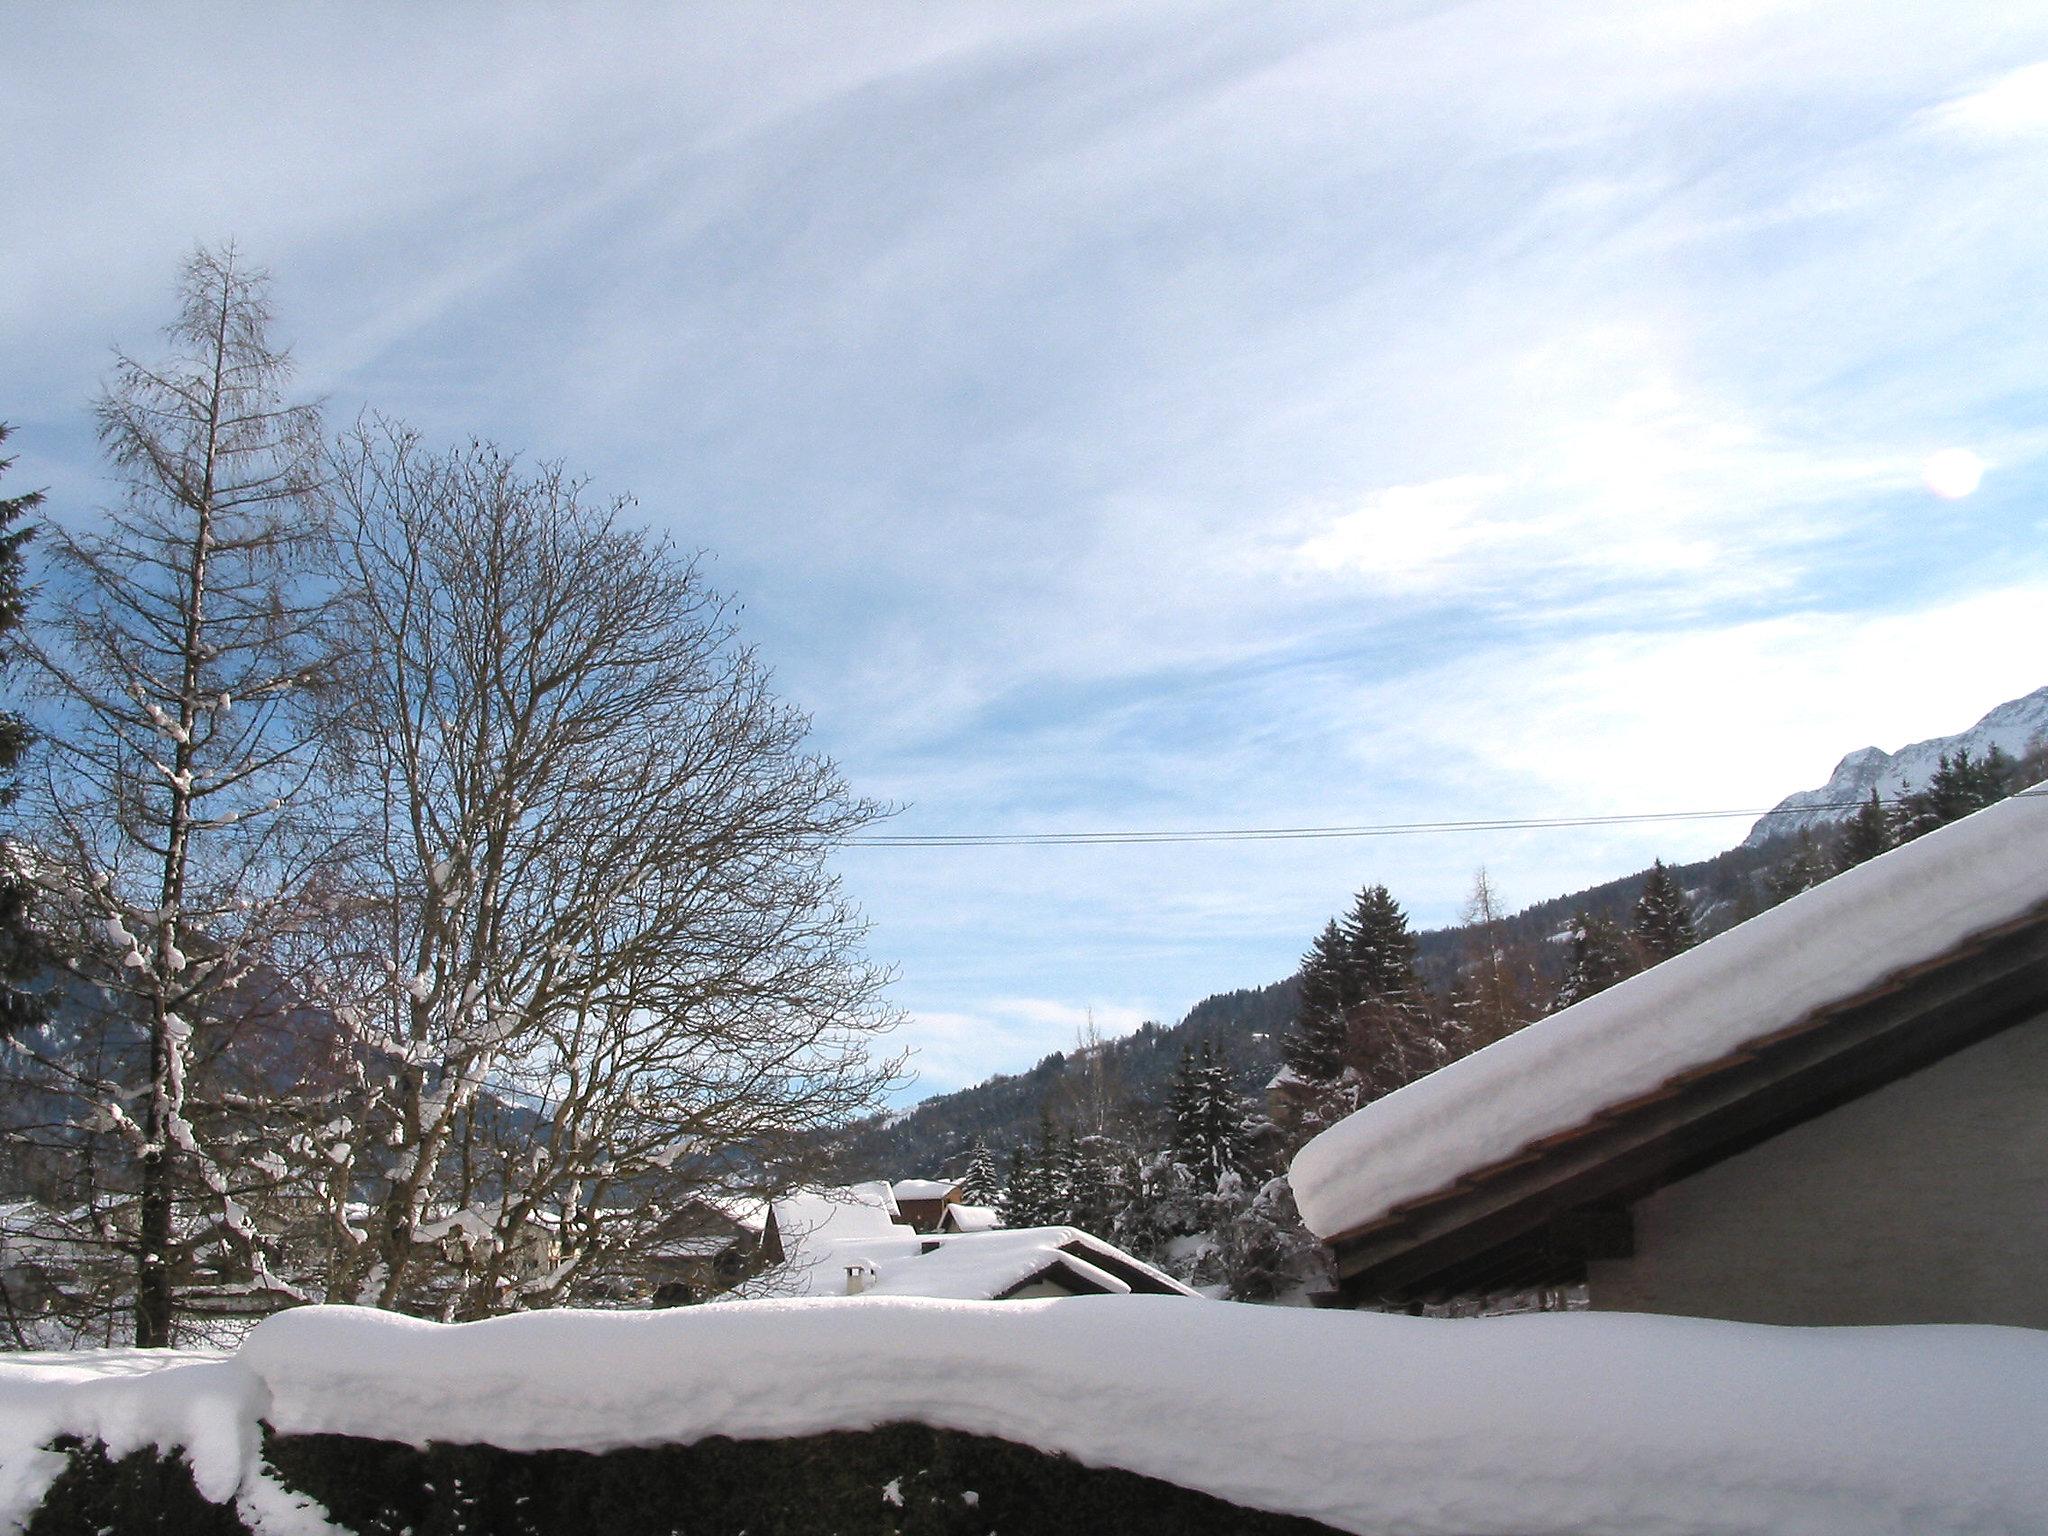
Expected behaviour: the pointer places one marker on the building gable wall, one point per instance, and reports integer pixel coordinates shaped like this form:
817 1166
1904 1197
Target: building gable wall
1923 1202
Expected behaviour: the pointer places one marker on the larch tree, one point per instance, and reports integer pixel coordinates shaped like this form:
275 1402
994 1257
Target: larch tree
181 658
1492 996
20 950
611 959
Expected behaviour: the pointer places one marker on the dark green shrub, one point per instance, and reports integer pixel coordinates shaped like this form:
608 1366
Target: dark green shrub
818 1484
145 1491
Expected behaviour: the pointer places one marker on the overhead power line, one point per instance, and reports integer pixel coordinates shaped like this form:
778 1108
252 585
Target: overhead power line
1301 834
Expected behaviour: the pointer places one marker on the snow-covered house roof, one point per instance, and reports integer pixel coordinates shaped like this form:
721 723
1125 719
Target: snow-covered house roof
972 1266
1847 986
807 1221
970 1218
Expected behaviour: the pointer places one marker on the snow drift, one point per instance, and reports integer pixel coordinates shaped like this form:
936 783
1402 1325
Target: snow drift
1561 1423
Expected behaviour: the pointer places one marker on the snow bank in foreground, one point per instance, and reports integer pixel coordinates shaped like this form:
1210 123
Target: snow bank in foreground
1582 1423
1833 941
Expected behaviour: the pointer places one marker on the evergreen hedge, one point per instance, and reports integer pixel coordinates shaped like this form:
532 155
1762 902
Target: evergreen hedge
949 1484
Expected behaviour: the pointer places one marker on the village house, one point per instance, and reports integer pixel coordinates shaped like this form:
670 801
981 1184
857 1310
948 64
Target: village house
923 1202
704 1248
854 1242
1835 1113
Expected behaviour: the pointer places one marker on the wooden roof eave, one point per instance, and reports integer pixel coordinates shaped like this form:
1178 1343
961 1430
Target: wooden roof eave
1710 1112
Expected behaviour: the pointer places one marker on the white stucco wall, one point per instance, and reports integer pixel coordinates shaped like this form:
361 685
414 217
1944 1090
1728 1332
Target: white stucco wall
1924 1202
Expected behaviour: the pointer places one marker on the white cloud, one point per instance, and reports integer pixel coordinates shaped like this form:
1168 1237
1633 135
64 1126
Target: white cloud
2014 106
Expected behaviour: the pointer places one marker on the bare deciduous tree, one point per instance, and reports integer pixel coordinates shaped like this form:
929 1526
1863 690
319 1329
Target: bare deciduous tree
612 958
178 654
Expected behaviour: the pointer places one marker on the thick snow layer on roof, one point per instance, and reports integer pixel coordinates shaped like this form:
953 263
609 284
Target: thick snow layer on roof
1562 1424
924 1189
973 1218
983 1271
968 1266
815 1217
1909 905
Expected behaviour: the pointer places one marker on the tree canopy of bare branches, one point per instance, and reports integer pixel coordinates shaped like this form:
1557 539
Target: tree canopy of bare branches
609 954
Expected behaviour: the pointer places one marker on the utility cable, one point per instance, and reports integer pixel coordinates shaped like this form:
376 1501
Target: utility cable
1297 834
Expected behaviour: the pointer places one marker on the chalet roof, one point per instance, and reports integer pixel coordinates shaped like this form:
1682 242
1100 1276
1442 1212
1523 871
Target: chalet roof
815 1217
925 1189
1837 991
970 1218
973 1266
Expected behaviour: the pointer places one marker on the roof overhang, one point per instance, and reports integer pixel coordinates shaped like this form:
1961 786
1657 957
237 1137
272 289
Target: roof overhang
1539 1217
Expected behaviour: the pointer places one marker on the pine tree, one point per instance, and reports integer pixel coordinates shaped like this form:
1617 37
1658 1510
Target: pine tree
982 1185
1395 1036
1207 1134
1094 1183
20 951
1866 834
1804 868
1662 922
1960 786
1023 1195
1314 1048
1379 950
1599 956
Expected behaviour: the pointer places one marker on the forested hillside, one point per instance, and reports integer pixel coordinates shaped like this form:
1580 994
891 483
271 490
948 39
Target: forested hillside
1247 1027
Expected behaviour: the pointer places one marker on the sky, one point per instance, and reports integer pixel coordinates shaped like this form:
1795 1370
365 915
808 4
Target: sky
1161 416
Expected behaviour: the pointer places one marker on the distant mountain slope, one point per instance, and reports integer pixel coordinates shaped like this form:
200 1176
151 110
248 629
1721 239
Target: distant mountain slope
2013 727
936 1136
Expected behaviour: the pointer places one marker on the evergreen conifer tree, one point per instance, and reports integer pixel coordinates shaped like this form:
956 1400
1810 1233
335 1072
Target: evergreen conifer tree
1023 1195
1395 1036
1600 955
1802 870
1866 834
1961 785
1379 950
982 1185
1662 922
1314 1048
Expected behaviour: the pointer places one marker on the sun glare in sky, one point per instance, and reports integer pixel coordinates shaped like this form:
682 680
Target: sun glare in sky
1953 473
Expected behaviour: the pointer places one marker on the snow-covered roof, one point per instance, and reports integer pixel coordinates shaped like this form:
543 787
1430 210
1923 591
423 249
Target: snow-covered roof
924 1189
968 1266
1903 909
970 1218
815 1217
1558 1424
990 1270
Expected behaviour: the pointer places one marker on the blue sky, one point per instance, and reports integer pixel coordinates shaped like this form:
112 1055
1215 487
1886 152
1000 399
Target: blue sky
1162 416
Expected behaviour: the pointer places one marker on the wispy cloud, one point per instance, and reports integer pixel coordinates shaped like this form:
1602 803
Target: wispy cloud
2014 106
1162 415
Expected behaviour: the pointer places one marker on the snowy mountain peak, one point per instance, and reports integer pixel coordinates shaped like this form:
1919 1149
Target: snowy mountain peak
2012 727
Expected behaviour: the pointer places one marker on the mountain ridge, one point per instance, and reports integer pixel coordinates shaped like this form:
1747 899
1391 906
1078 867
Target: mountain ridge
2012 727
